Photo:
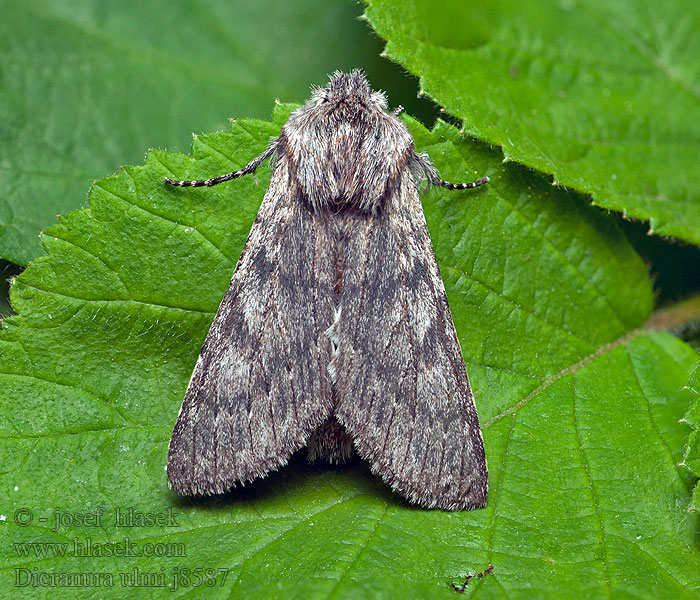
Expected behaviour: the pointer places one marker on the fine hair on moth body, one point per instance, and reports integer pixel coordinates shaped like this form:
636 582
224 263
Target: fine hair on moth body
335 331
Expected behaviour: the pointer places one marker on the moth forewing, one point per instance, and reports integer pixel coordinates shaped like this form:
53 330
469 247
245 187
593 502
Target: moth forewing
260 386
403 391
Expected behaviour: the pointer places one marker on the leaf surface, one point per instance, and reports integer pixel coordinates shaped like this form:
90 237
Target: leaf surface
602 95
579 406
691 457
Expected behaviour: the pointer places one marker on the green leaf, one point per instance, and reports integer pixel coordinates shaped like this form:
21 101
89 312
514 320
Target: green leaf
604 96
87 86
691 457
579 406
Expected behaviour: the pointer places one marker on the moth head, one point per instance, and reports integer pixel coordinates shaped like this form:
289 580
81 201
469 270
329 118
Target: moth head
348 89
346 150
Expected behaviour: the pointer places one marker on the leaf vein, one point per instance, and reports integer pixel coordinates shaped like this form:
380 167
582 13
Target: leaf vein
594 495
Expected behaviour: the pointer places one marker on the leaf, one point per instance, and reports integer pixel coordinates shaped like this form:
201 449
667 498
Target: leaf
86 87
604 96
691 457
579 406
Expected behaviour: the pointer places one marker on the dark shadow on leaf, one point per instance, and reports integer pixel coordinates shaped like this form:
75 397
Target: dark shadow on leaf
297 473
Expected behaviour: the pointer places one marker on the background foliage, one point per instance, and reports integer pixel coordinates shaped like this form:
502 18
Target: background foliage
89 86
602 95
580 388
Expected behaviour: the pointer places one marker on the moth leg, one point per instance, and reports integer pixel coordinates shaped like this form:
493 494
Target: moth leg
421 164
249 168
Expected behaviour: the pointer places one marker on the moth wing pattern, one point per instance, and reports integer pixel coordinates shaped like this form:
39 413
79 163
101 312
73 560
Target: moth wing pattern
403 391
261 385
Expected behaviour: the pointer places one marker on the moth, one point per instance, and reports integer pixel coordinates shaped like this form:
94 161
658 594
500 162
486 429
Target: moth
335 332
